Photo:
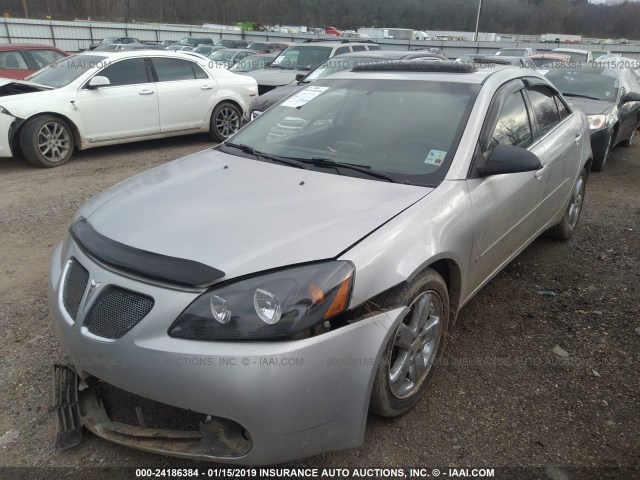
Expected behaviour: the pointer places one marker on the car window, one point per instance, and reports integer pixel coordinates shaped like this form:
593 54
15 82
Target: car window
45 57
513 126
544 108
12 61
198 71
126 72
563 110
173 69
374 47
358 48
342 50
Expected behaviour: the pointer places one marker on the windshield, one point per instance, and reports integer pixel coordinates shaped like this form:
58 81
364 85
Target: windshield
251 63
65 71
597 84
391 126
301 58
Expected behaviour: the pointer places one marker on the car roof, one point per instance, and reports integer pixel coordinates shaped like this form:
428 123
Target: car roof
24 46
330 43
572 50
551 56
234 50
416 70
121 54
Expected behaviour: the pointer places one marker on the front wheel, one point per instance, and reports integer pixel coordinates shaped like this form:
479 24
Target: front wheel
47 141
225 121
564 230
413 352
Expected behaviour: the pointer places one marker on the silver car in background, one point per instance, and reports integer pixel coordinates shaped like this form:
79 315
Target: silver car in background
284 283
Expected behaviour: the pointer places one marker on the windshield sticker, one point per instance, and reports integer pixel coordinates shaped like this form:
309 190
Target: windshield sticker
435 157
543 71
305 96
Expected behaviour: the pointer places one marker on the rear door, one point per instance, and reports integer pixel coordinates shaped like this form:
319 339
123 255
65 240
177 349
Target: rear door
186 94
505 207
560 131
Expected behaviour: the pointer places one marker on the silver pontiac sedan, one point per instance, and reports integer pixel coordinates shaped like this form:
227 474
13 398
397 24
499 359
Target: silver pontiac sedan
276 288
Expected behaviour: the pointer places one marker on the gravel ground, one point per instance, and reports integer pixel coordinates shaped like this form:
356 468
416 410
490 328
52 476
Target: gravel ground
517 407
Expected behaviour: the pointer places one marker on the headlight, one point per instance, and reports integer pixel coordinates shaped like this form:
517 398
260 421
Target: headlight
596 122
274 305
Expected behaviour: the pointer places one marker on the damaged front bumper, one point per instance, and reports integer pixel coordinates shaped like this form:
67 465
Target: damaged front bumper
79 403
288 399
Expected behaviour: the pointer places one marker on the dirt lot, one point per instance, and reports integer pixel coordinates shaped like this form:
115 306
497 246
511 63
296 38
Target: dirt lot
520 408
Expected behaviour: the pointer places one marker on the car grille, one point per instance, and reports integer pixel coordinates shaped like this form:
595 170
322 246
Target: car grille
116 311
75 283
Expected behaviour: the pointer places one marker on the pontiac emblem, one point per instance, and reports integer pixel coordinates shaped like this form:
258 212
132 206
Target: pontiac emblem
92 287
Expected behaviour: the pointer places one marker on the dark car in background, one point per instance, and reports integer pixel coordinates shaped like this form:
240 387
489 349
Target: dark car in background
610 97
113 41
301 58
194 41
253 62
334 65
19 61
228 43
265 47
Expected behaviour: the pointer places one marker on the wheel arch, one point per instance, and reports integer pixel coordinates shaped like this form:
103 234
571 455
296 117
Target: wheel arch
74 128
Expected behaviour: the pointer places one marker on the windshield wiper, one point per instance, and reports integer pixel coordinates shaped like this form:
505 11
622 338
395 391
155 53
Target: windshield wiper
261 155
367 170
579 96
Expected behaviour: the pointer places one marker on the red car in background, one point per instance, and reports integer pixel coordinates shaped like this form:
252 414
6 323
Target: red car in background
19 61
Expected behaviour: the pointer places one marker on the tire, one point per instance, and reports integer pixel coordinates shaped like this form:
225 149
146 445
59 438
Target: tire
414 351
601 158
47 141
629 141
226 120
564 230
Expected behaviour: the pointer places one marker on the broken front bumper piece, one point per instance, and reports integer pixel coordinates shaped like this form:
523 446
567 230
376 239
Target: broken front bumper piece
78 404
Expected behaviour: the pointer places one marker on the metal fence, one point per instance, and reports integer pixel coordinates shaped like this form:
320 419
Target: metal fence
78 35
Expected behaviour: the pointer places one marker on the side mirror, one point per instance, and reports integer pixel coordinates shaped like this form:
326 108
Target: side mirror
509 159
631 97
98 81
300 76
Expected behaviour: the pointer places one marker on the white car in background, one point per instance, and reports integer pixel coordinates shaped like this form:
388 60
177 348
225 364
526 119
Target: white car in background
96 99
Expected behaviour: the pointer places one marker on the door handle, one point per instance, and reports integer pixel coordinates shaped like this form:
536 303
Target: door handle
146 92
578 137
205 87
540 171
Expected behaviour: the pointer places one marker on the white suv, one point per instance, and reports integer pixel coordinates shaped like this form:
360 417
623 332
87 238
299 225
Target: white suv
302 58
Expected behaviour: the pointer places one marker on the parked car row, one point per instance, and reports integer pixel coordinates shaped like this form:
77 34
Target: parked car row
344 227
